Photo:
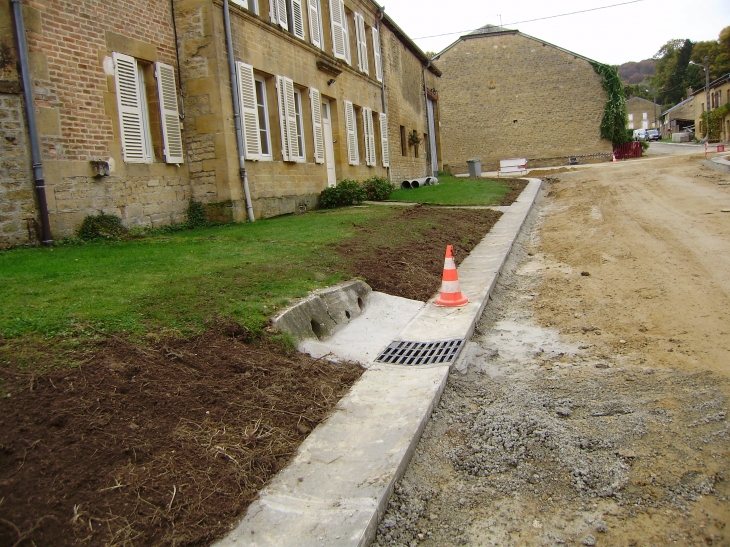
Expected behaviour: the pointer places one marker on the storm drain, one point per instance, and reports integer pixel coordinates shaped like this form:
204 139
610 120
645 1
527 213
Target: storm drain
421 353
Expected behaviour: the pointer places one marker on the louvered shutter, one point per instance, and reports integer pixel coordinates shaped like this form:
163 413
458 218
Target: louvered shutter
316 100
376 55
281 15
351 129
367 117
291 120
362 47
384 139
315 32
249 111
134 148
340 40
297 16
171 134
287 119
281 96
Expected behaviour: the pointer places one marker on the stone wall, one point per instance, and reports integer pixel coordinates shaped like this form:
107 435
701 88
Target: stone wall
505 95
277 186
406 100
17 206
639 107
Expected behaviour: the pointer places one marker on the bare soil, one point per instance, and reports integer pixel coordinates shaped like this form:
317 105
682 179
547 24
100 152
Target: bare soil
591 406
167 442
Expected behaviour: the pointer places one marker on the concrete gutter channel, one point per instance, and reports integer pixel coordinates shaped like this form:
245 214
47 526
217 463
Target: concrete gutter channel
337 486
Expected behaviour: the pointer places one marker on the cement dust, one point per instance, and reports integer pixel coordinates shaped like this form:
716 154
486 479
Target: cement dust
591 406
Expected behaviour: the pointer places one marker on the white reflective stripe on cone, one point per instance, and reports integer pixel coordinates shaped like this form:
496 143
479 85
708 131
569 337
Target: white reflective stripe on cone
450 287
449 264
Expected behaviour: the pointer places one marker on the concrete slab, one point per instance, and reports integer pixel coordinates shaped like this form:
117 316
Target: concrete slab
369 334
339 483
337 486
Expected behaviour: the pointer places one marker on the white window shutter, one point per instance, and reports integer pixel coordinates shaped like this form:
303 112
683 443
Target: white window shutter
362 46
297 16
316 100
272 12
346 29
384 139
351 128
169 114
281 16
281 96
249 111
376 55
130 109
291 120
339 32
315 32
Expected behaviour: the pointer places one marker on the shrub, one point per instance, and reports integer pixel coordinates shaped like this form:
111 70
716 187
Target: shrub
378 188
347 192
196 215
644 147
102 226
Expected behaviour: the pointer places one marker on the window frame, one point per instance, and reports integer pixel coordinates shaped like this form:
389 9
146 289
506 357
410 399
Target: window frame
267 129
299 123
250 5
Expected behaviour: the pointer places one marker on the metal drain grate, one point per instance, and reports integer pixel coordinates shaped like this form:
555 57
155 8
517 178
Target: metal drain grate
421 353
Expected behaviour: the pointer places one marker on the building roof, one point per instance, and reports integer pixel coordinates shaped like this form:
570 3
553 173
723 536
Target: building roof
721 80
410 44
684 102
493 30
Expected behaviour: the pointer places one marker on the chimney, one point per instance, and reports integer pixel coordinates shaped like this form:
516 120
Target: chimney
690 91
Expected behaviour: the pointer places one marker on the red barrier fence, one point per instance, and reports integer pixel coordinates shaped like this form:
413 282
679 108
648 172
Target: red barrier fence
628 150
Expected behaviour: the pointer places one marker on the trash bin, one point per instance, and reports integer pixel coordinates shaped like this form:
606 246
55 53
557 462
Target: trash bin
475 167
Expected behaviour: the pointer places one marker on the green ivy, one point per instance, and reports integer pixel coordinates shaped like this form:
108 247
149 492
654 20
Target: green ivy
714 123
196 215
102 226
615 119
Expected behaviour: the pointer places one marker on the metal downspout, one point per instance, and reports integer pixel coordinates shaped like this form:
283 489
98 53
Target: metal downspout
381 12
35 149
237 111
429 169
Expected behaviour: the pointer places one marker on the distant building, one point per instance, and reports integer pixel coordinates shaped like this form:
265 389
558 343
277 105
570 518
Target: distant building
719 96
679 117
505 94
642 114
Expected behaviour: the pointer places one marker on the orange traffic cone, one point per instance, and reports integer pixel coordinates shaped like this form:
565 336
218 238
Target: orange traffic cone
450 293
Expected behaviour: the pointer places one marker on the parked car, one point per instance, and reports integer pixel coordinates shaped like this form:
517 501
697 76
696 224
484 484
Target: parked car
639 134
653 135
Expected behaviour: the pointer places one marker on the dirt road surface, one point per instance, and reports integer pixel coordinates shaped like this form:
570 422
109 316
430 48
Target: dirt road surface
592 406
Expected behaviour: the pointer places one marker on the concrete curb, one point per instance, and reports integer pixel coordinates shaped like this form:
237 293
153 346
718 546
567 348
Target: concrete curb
337 486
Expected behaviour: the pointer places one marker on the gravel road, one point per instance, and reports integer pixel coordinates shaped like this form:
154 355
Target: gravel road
591 406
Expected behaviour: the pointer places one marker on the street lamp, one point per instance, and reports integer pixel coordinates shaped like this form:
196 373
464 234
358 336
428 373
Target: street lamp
706 66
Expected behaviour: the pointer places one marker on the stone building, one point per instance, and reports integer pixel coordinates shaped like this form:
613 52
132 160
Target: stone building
505 94
679 117
642 114
719 98
135 110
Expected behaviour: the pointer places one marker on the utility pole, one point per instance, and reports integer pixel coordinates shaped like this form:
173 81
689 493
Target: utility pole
706 65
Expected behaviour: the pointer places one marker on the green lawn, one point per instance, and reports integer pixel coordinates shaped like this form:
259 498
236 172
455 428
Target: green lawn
174 281
453 190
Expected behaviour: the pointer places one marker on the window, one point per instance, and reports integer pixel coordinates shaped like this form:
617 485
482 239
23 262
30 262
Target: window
644 116
133 104
340 31
291 135
361 41
415 147
631 117
369 132
251 5
403 142
315 23
254 114
385 145
299 123
263 113
288 15
631 125
353 155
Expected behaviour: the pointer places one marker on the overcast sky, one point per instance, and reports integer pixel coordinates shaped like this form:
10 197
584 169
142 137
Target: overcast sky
615 35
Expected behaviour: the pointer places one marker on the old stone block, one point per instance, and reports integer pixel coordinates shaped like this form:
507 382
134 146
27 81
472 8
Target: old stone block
130 46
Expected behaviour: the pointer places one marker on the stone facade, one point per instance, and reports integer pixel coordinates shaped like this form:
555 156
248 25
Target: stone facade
75 47
642 113
719 96
505 94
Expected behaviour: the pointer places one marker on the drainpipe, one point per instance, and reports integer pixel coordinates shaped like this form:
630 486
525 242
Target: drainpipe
237 111
35 149
429 170
379 17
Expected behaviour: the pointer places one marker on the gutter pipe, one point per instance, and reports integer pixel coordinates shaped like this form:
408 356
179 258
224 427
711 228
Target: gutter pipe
35 149
237 111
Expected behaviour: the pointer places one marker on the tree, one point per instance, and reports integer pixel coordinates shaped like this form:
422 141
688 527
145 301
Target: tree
674 74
